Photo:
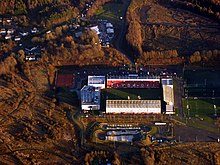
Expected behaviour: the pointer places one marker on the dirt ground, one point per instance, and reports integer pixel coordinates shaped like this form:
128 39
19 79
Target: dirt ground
190 134
166 27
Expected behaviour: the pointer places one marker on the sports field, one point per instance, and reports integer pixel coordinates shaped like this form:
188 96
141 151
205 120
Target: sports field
111 11
145 94
201 107
202 83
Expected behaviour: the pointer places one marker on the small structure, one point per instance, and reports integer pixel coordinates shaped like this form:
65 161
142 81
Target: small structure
17 38
78 34
10 31
24 33
110 31
96 29
8 36
90 98
109 25
30 57
32 54
8 20
120 138
3 31
34 30
96 81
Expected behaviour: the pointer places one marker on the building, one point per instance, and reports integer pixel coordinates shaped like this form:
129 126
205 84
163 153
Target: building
110 31
96 81
10 31
8 36
2 31
129 94
109 25
32 54
90 98
168 94
133 94
96 29
17 38
120 138
90 95
133 81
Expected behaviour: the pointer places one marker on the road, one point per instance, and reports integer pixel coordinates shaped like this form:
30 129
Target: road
178 94
123 30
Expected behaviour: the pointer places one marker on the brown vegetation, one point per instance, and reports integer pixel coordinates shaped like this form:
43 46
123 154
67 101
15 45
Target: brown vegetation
157 32
33 126
96 6
134 34
160 58
205 56
191 153
206 7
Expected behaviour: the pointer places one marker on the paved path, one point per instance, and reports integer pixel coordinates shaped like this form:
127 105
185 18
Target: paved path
123 30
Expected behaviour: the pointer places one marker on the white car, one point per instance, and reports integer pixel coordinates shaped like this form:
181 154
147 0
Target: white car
24 33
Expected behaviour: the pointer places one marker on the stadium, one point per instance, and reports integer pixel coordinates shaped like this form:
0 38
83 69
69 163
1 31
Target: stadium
133 94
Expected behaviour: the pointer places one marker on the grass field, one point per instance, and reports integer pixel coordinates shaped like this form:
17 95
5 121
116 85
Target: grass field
202 78
111 12
202 83
149 94
201 107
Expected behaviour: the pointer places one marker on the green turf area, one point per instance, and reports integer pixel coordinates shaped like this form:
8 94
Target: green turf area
111 12
145 94
202 78
202 83
201 107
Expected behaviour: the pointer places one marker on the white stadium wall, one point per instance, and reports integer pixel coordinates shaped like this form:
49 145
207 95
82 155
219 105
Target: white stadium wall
133 106
90 107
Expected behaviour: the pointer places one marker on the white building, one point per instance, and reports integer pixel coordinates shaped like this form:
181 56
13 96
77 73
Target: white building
168 94
109 25
90 98
96 81
110 31
96 29
3 31
122 138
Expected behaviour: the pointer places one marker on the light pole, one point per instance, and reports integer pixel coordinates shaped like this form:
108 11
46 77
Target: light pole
214 106
196 107
187 107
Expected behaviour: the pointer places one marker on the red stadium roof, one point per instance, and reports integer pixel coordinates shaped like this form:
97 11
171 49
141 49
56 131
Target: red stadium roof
132 84
65 80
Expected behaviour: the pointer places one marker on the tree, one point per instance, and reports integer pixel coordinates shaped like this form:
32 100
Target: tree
196 57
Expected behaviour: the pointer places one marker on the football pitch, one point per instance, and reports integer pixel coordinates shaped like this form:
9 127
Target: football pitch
201 107
202 83
133 94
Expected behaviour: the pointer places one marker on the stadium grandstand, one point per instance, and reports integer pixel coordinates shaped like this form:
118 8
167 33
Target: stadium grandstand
131 100
133 106
133 81
168 95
